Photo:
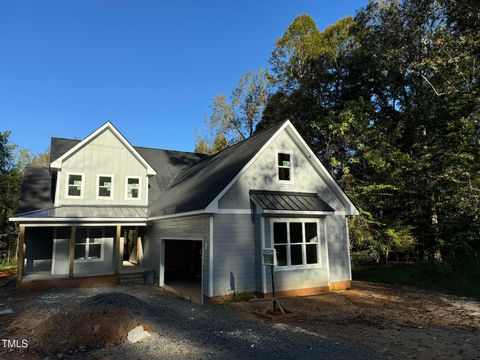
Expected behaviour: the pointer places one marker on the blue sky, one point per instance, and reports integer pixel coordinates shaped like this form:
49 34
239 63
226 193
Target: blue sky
150 67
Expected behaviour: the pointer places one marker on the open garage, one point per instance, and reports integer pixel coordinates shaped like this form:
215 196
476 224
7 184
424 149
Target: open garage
183 268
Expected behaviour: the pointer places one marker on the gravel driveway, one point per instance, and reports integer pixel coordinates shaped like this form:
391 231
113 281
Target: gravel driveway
185 330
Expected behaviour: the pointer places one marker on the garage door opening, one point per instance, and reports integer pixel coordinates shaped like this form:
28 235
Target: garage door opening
183 268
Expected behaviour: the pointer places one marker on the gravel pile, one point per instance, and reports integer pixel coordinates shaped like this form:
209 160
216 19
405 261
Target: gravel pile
117 300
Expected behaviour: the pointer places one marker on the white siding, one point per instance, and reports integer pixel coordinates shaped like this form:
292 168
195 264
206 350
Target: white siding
262 175
191 227
104 155
301 278
234 254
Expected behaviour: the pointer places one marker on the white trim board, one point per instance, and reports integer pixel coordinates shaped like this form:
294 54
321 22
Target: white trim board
57 164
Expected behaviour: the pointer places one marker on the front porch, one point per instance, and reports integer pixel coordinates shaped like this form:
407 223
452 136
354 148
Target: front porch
78 255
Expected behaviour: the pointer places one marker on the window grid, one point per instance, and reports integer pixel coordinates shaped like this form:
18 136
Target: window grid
87 241
303 244
284 169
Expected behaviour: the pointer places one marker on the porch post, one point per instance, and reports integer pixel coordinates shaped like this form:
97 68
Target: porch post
20 252
117 249
137 247
71 251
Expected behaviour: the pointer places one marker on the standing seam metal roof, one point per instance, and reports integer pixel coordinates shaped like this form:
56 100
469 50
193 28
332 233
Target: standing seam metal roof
294 201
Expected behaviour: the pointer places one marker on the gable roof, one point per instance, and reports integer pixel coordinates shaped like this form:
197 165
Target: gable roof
200 187
194 188
184 182
57 163
166 163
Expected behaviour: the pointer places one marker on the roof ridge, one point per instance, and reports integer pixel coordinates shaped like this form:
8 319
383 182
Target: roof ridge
135 146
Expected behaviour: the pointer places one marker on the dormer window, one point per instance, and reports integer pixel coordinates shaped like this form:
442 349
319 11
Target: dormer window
284 165
75 185
105 186
133 188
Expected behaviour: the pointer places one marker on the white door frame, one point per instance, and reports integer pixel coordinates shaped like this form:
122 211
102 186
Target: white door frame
161 273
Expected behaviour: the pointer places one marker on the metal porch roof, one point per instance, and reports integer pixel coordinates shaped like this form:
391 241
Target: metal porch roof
294 201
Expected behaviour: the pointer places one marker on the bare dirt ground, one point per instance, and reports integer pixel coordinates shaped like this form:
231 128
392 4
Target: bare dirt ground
368 321
398 322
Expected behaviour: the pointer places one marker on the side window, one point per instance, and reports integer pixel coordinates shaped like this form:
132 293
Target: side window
75 185
296 243
105 186
133 188
284 163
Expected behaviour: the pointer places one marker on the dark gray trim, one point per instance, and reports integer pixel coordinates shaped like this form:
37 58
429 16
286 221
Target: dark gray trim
294 201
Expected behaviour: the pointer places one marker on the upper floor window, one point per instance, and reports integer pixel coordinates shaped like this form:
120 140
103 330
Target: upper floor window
133 188
105 186
75 185
296 243
285 169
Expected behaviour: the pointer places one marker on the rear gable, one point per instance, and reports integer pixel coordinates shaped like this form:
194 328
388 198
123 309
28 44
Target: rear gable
306 175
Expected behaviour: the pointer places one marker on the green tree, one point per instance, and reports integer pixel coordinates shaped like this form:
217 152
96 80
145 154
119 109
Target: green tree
389 101
238 117
10 181
220 143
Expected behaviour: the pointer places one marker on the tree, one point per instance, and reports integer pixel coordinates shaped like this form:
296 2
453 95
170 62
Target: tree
220 143
238 117
10 181
389 101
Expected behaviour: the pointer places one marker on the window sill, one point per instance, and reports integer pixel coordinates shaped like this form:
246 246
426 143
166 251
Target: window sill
297 267
87 260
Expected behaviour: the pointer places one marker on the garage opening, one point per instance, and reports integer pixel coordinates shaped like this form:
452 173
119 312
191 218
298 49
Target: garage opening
183 268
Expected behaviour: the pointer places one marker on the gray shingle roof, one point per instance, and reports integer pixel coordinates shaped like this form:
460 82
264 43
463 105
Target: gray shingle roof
184 181
103 212
195 187
36 192
284 200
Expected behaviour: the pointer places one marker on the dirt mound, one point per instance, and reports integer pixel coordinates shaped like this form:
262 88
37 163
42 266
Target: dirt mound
79 330
99 321
117 300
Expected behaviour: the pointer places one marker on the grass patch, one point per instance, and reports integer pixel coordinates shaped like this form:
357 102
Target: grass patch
4 266
462 279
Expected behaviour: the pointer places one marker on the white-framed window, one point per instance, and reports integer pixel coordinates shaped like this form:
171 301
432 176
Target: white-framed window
133 188
104 186
296 242
89 243
75 185
284 166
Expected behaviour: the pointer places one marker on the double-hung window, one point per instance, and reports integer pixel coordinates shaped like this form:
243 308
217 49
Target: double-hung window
89 243
105 187
284 166
75 185
133 188
296 242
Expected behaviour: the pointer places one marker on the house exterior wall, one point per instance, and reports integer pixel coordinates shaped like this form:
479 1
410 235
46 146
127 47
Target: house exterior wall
294 279
234 250
338 248
262 175
104 155
82 268
186 228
